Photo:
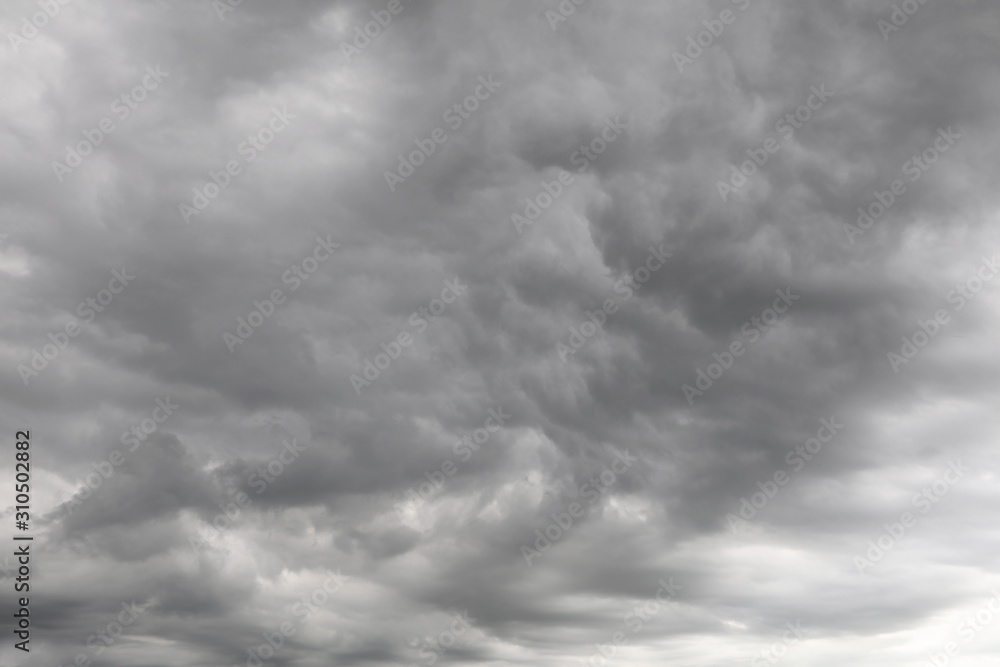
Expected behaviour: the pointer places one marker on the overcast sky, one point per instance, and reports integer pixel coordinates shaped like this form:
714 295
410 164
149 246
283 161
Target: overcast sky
502 321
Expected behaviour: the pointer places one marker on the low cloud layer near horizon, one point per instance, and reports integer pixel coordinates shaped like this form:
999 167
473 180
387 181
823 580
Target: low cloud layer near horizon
465 340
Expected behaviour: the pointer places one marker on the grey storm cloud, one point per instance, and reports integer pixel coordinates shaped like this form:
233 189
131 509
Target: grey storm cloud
340 235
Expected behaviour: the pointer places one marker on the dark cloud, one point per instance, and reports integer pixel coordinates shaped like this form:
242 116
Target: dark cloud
277 469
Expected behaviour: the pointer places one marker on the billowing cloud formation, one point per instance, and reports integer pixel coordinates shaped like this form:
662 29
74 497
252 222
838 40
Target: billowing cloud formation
402 332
